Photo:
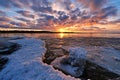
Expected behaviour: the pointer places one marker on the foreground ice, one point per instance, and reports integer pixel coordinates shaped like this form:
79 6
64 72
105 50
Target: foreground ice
106 57
26 63
72 64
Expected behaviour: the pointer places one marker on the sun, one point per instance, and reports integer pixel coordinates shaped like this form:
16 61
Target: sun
62 30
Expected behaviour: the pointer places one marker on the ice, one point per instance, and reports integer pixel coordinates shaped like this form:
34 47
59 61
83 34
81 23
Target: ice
26 63
106 57
73 64
17 37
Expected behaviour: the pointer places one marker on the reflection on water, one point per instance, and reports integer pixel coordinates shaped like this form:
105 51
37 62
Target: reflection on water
60 35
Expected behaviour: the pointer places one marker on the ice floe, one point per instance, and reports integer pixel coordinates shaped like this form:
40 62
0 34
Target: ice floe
26 63
72 64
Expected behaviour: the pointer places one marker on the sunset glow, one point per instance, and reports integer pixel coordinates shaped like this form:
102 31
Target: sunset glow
61 35
60 39
61 15
63 30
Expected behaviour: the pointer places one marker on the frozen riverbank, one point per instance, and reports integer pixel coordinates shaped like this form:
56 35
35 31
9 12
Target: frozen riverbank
102 56
26 63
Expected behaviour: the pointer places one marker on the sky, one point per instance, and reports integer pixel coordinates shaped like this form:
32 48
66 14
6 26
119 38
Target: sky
55 15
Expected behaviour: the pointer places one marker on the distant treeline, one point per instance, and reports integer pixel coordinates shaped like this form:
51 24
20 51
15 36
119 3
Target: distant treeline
14 31
17 31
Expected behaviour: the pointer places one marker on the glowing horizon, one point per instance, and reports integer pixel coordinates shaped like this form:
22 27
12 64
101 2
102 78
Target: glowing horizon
52 15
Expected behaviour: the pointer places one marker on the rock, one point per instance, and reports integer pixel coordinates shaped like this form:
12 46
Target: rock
116 58
49 57
7 47
3 61
95 72
73 64
115 78
17 37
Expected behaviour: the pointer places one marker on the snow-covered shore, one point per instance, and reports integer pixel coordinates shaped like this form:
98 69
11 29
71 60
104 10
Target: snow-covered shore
26 63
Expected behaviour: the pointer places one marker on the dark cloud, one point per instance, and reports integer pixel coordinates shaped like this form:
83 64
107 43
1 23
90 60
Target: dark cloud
36 5
67 4
46 16
26 13
97 4
18 24
94 28
103 14
61 13
93 4
23 19
74 14
109 11
6 19
5 3
42 9
63 17
1 12
42 13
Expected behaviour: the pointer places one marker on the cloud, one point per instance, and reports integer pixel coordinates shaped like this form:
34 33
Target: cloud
115 21
109 11
4 18
46 14
18 24
63 17
2 13
23 19
25 13
93 28
5 3
5 24
42 9
93 4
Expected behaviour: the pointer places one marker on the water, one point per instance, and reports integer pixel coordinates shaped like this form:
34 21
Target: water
100 47
59 35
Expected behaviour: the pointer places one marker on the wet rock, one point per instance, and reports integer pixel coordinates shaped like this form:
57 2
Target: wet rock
95 72
58 52
17 37
116 58
3 61
115 78
49 57
8 47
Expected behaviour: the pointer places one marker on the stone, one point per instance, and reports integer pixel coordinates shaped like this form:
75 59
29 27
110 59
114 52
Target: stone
7 47
3 61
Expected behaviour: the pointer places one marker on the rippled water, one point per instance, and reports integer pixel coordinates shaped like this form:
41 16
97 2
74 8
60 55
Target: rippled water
59 35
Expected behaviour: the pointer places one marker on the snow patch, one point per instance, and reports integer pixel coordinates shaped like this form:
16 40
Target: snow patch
73 64
106 57
26 63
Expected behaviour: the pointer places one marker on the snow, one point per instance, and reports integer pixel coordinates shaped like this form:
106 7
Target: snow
74 63
106 57
26 63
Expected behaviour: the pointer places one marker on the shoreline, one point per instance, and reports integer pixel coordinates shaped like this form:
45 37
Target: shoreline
26 63
25 44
